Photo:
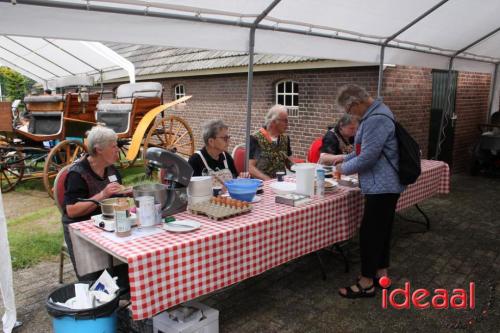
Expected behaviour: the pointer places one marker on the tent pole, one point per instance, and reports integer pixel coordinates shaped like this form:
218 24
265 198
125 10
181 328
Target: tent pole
492 93
251 45
393 36
380 72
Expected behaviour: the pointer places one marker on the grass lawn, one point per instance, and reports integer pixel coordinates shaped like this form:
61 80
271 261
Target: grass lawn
37 235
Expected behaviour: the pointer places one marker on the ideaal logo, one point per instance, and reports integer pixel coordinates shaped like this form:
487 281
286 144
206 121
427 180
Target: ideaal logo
423 298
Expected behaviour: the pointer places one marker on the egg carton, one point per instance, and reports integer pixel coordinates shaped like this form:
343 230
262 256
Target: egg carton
220 208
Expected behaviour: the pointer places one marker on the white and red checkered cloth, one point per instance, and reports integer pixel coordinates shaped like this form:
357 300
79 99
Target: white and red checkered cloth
435 179
167 269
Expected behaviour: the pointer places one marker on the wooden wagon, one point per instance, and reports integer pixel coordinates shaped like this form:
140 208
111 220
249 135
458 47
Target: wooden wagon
136 114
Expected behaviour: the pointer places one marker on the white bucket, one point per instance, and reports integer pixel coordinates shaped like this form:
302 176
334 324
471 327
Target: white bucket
304 174
200 186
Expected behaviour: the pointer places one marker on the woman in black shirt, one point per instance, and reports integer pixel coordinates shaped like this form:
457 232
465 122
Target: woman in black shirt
213 159
339 139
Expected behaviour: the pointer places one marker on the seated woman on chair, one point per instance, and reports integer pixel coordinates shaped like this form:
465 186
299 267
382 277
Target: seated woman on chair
338 140
213 159
91 177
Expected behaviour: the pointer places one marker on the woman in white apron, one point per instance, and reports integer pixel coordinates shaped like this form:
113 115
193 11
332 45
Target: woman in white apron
213 159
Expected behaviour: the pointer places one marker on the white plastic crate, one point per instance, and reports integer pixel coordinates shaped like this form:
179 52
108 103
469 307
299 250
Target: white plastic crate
206 321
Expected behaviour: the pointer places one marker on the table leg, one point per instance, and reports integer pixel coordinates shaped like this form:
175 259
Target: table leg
111 265
427 222
321 266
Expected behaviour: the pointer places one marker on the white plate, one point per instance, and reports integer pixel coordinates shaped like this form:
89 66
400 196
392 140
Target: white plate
256 199
283 187
180 226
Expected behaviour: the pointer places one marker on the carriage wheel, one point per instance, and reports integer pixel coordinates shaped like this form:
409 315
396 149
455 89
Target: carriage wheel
171 133
123 163
11 168
65 153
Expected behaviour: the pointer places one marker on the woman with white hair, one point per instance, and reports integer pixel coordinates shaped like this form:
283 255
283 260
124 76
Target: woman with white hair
270 147
213 159
91 177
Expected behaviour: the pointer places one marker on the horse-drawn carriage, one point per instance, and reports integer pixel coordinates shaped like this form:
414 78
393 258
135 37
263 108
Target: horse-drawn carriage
136 111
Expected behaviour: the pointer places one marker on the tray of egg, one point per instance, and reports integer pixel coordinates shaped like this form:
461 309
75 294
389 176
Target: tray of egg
219 208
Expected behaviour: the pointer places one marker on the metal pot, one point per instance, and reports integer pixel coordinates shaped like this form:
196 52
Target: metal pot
107 205
158 191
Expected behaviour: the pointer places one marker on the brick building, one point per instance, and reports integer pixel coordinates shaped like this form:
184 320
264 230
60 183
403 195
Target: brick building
217 81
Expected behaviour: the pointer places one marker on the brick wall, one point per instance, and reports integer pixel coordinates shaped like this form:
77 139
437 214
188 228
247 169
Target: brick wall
407 91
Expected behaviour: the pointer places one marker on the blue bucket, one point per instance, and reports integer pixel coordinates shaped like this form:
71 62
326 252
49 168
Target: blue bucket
100 319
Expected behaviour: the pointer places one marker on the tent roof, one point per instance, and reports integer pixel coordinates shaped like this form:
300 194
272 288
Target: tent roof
330 29
50 60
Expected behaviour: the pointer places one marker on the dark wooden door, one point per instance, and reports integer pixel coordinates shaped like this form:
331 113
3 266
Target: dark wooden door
439 81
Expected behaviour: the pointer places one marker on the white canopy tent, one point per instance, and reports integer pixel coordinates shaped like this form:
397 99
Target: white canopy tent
442 34
447 34
53 61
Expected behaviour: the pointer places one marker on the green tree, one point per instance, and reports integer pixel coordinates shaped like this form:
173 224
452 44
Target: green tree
14 85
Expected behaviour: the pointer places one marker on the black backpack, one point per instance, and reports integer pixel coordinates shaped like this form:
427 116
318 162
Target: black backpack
409 154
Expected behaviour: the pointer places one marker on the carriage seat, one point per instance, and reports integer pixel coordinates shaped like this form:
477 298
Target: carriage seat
119 121
126 93
46 123
44 99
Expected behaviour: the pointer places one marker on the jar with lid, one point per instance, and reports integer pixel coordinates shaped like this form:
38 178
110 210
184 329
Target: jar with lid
122 213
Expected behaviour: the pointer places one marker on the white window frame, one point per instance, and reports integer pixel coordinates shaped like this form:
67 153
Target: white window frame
293 110
177 93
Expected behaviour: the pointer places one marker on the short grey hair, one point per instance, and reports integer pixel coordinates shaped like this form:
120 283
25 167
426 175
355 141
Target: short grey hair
345 120
100 137
211 128
349 94
273 114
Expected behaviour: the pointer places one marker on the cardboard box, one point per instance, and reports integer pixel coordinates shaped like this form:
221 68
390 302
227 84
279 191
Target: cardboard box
206 320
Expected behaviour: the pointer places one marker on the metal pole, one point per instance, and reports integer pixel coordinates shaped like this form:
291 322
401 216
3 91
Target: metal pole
492 92
380 72
251 45
399 32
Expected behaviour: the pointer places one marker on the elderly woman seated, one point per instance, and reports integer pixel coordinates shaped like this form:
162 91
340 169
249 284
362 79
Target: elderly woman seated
91 177
339 139
213 159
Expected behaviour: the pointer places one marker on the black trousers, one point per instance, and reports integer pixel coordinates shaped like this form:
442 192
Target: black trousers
375 232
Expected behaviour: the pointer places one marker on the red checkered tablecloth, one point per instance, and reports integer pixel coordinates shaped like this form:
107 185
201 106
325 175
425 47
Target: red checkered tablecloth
435 179
167 269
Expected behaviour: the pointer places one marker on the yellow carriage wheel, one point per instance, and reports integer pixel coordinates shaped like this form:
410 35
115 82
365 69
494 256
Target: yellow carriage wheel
65 153
171 133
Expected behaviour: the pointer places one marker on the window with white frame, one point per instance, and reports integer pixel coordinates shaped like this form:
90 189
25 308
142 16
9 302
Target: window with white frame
179 91
287 94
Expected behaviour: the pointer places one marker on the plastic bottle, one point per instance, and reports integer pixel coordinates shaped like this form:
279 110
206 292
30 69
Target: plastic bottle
320 183
123 227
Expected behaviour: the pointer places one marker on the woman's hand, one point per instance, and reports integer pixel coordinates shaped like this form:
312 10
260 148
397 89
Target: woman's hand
244 174
111 189
329 159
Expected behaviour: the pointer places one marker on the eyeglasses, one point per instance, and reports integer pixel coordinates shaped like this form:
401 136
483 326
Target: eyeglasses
225 138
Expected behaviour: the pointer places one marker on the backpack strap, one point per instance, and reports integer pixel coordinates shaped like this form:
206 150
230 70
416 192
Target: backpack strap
395 125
